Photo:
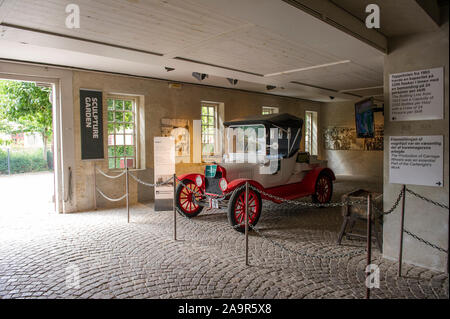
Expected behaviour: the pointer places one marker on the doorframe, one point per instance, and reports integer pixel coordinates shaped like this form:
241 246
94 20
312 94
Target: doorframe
64 150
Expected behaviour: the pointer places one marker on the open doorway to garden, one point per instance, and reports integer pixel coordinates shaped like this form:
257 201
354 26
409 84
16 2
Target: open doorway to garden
26 148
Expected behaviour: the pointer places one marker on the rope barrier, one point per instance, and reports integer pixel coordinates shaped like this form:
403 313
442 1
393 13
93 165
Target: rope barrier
111 176
427 199
109 198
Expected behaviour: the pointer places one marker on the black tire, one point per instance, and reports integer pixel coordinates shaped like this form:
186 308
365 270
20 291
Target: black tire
179 194
237 197
316 197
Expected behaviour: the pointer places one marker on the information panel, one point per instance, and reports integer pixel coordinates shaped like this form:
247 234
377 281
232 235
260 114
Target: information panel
416 160
91 119
417 95
164 150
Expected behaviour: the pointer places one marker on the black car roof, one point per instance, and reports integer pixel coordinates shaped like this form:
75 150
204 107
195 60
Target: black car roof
283 120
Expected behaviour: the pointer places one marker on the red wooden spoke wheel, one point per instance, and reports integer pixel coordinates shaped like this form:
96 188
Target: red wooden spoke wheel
324 189
187 191
236 209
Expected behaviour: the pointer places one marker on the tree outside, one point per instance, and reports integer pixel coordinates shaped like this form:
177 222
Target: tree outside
25 108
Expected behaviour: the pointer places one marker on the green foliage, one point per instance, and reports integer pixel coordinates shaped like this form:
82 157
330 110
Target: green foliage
24 161
27 105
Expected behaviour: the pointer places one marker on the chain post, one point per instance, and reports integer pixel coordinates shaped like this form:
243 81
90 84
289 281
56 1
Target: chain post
369 240
95 186
128 194
174 207
246 223
402 227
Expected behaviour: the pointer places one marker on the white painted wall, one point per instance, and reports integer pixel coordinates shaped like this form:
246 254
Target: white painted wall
417 52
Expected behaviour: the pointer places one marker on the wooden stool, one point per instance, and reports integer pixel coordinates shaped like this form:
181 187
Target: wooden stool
352 213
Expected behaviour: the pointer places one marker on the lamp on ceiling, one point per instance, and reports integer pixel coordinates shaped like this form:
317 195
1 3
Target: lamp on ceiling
199 76
232 81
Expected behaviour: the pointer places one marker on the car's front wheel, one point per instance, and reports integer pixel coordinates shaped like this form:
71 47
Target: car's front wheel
236 209
187 191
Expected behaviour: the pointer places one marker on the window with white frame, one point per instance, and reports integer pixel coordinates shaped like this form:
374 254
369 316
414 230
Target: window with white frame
209 119
269 110
311 132
122 146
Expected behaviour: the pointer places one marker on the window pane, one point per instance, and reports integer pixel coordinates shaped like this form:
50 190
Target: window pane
110 116
110 139
128 105
129 139
110 104
111 163
128 117
111 152
129 150
120 150
119 104
120 128
118 116
120 140
110 128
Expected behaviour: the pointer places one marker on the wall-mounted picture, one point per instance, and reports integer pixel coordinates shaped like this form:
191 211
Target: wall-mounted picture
365 126
345 138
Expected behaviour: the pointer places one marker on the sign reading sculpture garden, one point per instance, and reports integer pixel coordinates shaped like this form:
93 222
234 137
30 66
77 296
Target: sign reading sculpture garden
91 119
417 95
416 160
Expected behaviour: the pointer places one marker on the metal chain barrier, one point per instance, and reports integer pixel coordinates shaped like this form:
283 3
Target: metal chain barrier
399 197
308 204
424 241
427 199
305 254
137 179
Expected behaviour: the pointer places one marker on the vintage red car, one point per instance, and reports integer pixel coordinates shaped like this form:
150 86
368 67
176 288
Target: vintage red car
265 153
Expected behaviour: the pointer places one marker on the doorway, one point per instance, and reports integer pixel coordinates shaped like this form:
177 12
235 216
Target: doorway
27 148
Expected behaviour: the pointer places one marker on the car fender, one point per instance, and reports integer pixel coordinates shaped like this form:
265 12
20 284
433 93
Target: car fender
241 181
192 176
311 178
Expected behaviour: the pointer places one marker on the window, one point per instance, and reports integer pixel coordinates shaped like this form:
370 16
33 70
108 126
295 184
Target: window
209 130
311 132
269 110
121 132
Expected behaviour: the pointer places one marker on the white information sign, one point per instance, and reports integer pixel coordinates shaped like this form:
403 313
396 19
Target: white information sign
416 160
417 95
164 160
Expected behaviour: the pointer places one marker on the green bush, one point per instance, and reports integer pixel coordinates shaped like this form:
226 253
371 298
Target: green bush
24 161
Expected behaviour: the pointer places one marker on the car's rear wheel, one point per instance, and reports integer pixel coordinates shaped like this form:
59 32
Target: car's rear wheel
236 209
187 191
323 189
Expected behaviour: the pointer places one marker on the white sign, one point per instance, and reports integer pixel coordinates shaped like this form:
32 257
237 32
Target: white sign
417 95
416 160
164 159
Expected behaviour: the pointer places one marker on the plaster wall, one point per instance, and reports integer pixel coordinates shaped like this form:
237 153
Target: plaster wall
365 164
160 101
409 53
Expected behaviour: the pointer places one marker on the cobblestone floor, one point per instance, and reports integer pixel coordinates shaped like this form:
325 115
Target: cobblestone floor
42 255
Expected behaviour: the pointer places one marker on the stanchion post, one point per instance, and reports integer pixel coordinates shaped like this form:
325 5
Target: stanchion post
95 186
174 207
369 242
402 226
128 194
246 223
